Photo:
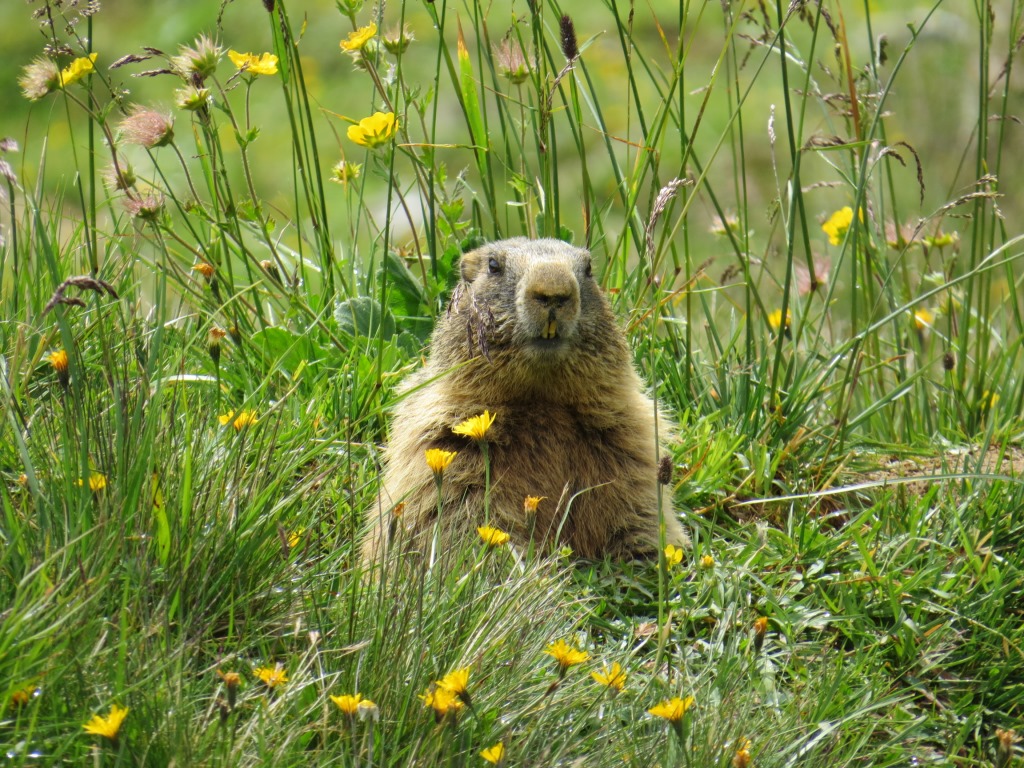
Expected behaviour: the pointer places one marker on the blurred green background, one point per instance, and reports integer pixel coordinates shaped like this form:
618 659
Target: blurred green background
933 106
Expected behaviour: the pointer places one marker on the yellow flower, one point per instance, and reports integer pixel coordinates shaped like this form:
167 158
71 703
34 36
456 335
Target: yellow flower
97 482
351 703
204 269
612 677
742 757
672 709
295 536
475 427
492 537
707 562
775 320
23 695
77 69
457 683
59 360
760 625
231 679
240 421
264 64
442 701
438 460
107 726
356 40
495 754
530 504
272 676
837 225
374 130
566 655
923 319
673 555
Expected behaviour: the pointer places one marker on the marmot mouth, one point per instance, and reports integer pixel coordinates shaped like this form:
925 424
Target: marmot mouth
550 330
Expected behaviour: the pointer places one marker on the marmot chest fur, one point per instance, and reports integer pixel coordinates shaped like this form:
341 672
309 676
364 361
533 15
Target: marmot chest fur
529 337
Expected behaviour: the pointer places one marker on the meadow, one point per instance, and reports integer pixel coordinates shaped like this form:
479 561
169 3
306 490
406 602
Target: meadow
226 234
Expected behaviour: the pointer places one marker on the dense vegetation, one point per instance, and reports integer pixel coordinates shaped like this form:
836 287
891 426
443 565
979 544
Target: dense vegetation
222 254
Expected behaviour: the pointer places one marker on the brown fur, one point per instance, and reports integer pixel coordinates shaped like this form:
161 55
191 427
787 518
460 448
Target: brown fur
571 415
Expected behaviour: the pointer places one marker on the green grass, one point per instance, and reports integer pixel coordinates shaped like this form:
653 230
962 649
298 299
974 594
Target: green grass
151 542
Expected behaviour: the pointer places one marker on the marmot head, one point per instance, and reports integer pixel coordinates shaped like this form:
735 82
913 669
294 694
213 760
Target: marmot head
532 304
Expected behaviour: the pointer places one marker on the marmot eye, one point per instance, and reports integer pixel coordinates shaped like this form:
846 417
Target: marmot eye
494 266
589 272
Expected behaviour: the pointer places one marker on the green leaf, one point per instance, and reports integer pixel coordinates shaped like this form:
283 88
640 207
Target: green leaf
363 316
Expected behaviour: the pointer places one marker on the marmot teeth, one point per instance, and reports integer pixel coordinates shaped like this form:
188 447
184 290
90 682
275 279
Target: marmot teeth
550 331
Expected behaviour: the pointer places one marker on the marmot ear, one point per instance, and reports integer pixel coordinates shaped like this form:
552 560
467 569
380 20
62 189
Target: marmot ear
470 263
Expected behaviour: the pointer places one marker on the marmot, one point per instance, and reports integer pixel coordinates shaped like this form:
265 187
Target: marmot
530 337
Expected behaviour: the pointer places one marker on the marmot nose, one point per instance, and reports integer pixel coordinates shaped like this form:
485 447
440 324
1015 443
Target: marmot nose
552 286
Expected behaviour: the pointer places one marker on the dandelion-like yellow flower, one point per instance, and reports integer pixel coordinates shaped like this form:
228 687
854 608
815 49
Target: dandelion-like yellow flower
358 39
612 677
760 625
351 703
108 726
742 758
240 421
97 482
707 562
77 69
442 701
494 754
204 269
264 64
475 427
923 319
673 555
672 709
565 654
775 320
457 683
375 130
231 679
837 225
438 460
272 676
59 360
23 695
492 537
530 504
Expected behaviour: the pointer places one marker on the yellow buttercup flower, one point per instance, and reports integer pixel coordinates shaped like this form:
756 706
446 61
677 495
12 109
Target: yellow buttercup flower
494 754
566 655
475 427
438 460
375 130
272 676
492 537
707 562
356 40
672 709
742 758
775 320
923 319
612 677
837 225
108 726
78 69
264 64
673 555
